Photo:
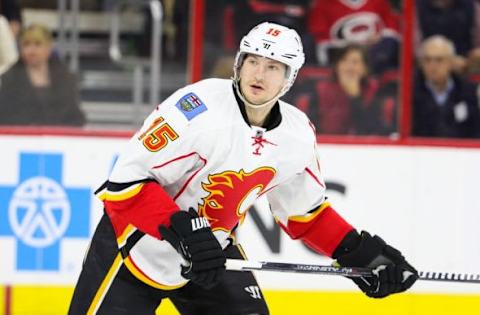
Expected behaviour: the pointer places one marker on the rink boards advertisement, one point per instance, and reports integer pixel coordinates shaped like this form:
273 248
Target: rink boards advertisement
423 200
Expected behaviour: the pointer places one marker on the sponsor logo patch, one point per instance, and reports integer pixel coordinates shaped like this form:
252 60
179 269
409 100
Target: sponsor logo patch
191 105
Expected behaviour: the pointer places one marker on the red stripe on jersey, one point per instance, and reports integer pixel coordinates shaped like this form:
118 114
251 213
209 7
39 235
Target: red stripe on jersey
146 210
265 191
323 233
314 177
181 157
191 177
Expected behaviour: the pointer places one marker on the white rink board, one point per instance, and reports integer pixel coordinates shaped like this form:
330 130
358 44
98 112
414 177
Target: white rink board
420 199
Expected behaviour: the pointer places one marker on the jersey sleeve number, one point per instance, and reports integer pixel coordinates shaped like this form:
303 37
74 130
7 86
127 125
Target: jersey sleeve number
158 138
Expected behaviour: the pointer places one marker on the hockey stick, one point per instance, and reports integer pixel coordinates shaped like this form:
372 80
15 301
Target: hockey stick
246 265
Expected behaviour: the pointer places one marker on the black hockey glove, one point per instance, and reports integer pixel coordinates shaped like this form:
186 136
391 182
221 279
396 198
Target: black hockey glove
192 237
392 273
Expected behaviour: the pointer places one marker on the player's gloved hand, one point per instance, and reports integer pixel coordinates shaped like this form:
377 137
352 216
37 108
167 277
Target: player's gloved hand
392 273
192 237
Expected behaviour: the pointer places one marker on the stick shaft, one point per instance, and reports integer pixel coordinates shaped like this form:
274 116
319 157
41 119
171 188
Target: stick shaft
245 265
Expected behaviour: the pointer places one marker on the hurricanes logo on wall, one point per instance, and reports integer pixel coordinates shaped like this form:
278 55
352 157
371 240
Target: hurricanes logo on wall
230 195
357 27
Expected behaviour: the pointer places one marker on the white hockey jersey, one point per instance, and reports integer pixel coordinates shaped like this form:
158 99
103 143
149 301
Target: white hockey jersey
197 150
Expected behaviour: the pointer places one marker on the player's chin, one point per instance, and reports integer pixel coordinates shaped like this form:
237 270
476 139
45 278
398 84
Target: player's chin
257 102
251 98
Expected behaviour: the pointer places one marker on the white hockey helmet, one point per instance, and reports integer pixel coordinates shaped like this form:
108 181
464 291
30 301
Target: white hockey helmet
276 42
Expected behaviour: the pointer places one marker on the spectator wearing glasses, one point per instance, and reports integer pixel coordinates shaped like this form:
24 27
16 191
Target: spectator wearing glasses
457 20
444 105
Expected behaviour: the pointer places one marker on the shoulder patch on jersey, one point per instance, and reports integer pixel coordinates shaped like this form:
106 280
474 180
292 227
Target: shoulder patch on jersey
191 105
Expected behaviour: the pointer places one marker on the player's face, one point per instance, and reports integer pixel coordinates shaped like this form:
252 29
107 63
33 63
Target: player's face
261 79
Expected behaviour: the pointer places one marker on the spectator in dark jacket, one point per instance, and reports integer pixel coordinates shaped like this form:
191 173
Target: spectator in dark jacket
38 89
444 105
457 20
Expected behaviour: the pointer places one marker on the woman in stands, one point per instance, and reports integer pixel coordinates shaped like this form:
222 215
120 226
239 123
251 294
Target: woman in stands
352 102
38 89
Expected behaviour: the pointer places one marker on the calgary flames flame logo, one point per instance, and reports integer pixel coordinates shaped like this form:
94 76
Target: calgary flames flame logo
230 194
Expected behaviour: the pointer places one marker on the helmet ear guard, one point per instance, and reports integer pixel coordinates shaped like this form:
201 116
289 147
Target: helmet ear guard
276 42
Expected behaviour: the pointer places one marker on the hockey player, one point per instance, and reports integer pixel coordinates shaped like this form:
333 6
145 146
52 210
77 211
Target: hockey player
186 181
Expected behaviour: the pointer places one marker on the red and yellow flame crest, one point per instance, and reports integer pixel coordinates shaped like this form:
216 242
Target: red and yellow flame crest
230 194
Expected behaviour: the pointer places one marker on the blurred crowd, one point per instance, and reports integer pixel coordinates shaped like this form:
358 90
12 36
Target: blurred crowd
35 86
349 85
